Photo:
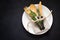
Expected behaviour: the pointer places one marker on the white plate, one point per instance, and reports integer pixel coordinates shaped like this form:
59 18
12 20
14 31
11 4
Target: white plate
33 29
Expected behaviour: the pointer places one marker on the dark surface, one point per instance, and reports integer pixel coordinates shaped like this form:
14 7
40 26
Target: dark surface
11 20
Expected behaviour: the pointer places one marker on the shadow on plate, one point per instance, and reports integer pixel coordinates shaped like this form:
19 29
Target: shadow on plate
37 36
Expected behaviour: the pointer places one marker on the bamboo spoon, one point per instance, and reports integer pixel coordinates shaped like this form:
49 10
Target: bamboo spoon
33 8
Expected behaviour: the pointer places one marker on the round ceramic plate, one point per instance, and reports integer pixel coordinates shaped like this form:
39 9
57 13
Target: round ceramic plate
32 28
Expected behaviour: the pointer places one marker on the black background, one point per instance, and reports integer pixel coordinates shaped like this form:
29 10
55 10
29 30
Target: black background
11 20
